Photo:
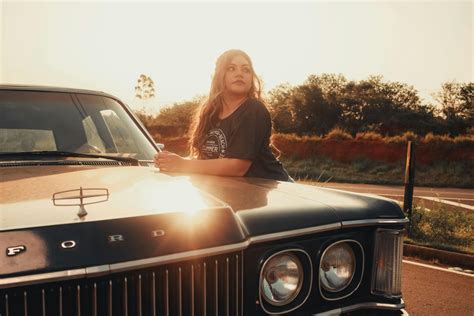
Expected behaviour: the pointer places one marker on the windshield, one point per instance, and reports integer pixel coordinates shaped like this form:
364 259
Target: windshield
33 121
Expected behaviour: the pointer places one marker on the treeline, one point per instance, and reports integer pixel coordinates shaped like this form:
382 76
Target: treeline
328 101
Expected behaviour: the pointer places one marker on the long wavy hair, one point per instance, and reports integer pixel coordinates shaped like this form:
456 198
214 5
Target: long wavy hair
208 112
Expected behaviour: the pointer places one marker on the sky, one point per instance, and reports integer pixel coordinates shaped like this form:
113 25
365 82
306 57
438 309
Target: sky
106 45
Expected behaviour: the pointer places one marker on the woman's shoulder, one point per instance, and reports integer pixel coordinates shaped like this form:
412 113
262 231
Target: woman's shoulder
257 107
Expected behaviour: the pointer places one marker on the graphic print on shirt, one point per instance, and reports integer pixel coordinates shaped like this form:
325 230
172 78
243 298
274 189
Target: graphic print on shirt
215 144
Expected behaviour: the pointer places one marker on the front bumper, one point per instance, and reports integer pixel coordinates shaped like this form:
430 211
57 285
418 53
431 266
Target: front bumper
368 308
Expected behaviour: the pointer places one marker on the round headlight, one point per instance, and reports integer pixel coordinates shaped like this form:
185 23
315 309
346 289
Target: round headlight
281 279
337 267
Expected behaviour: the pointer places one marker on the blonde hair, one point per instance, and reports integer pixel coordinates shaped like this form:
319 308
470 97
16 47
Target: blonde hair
207 113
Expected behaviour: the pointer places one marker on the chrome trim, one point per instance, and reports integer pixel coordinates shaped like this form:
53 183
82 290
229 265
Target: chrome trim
366 222
139 295
60 301
282 311
68 244
37 278
78 298
6 305
236 285
374 260
25 303
227 286
216 287
167 298
43 302
94 300
109 299
205 290
294 233
192 290
180 297
167 259
153 293
125 296
355 267
369 305
242 284
97 270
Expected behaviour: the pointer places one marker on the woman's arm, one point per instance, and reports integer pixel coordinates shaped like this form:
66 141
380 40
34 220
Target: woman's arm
172 162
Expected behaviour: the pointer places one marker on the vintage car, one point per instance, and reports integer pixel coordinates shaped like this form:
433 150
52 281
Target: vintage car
89 226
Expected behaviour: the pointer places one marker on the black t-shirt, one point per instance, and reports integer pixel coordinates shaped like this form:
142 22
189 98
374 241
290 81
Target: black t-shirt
245 134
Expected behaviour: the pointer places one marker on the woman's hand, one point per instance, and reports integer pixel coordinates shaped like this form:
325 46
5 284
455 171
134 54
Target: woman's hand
170 162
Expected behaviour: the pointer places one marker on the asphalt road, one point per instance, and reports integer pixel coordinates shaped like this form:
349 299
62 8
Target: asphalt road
430 291
452 198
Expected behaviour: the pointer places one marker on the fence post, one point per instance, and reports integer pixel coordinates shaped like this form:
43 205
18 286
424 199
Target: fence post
409 179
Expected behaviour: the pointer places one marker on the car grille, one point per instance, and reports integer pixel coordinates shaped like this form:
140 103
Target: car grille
208 286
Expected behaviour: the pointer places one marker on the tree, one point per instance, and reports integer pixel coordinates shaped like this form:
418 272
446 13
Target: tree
310 108
455 101
145 88
175 120
312 114
282 115
384 107
331 85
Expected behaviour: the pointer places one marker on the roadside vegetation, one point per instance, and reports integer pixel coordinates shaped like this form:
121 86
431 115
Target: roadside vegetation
334 129
442 229
441 161
439 174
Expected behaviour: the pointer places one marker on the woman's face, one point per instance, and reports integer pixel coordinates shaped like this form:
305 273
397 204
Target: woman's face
238 76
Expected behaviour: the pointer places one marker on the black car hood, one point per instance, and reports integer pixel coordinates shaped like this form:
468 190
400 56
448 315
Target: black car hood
151 214
267 206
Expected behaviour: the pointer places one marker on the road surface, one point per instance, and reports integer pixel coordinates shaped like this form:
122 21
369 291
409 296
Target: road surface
436 291
452 198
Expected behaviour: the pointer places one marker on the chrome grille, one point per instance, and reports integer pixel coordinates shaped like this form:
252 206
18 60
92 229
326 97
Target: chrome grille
209 286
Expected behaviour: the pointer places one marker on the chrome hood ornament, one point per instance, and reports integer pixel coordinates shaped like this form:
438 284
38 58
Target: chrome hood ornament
92 195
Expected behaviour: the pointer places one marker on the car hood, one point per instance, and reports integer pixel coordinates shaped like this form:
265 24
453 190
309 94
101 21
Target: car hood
149 214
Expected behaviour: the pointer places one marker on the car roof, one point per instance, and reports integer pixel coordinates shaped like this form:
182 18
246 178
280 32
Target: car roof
52 89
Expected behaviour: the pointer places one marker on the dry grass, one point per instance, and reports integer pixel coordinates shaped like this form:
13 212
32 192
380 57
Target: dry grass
441 228
338 134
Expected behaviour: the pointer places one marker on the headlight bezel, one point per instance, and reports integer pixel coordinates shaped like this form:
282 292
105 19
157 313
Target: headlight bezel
304 289
354 266
357 276
297 261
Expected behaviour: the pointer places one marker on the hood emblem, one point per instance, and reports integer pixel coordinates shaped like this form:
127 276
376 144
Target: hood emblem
81 196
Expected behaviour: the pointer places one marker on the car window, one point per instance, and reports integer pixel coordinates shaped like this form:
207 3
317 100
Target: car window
93 136
122 140
81 123
17 140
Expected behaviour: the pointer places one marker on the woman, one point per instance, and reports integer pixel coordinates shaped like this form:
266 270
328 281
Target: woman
232 128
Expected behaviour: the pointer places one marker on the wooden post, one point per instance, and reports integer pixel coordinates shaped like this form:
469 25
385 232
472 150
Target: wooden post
409 179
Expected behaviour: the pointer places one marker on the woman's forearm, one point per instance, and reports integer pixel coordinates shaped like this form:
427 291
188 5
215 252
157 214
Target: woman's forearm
222 167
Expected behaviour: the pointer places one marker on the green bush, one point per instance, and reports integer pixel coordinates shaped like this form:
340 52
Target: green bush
441 227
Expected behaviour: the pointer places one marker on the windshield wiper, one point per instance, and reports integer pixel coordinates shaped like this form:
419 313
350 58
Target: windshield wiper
53 153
